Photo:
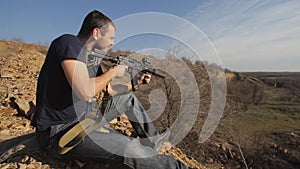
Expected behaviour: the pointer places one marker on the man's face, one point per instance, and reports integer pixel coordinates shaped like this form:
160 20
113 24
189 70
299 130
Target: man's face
105 39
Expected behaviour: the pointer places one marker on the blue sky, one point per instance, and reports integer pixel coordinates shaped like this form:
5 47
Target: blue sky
251 35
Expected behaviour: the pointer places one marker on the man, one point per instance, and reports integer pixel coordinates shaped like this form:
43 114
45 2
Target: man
68 80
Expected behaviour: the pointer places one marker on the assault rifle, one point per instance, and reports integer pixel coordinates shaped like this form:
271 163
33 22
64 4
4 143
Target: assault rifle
134 66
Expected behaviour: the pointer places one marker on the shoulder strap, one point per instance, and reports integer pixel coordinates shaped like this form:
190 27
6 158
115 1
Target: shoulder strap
92 121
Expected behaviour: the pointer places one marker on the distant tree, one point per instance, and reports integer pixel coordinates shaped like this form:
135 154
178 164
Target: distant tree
18 39
186 60
198 62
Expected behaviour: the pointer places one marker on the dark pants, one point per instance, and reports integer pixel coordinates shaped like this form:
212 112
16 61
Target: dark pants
118 147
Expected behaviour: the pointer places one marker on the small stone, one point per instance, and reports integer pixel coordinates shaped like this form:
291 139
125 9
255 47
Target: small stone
37 165
211 160
46 166
4 166
4 132
22 166
30 166
5 124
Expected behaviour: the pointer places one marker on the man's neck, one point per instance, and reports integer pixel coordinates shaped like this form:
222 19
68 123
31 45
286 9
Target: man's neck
87 44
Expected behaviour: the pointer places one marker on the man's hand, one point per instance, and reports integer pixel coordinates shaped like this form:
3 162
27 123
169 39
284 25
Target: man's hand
144 79
119 70
139 79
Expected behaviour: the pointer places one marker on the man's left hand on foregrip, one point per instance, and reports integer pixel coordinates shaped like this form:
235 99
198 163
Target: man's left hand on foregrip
145 79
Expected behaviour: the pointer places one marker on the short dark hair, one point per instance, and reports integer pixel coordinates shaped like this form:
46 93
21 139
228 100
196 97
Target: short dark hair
94 19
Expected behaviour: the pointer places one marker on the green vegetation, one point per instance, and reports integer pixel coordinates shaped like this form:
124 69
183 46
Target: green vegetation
279 110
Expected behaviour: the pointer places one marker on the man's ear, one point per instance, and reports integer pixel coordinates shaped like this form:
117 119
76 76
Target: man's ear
96 33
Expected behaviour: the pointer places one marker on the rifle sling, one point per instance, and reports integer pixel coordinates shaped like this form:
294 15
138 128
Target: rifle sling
77 133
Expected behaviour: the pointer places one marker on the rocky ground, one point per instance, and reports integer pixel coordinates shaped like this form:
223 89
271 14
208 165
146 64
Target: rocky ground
20 64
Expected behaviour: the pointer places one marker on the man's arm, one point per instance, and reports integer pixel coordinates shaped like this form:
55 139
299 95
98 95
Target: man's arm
84 86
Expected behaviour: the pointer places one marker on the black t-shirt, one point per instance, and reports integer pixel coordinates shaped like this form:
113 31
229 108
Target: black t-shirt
56 102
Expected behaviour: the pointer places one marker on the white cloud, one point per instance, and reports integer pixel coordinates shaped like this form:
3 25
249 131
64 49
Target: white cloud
252 35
